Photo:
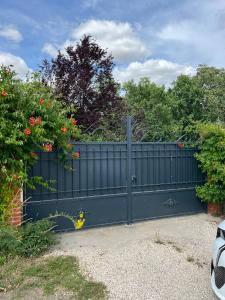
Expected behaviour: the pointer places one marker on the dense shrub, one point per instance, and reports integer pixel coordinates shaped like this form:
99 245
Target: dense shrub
212 162
30 120
29 240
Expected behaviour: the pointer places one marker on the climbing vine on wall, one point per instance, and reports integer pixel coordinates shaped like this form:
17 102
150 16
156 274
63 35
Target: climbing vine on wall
31 120
212 162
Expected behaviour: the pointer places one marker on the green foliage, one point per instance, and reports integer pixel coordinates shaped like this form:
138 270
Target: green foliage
152 108
31 120
212 82
170 114
112 129
167 114
212 162
199 98
2 260
6 196
32 239
188 98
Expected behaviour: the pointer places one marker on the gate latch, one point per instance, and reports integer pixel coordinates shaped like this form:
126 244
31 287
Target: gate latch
133 178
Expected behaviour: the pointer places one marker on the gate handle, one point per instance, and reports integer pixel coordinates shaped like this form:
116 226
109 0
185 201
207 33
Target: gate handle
133 178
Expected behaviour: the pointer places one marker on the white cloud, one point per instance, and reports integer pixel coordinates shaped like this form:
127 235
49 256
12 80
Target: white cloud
159 71
177 32
11 33
121 39
199 38
18 63
50 49
118 37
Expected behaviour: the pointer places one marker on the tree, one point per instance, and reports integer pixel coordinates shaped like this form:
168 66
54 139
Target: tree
189 97
201 97
152 107
82 78
212 82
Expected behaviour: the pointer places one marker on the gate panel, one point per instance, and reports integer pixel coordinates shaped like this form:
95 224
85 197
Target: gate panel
164 203
100 210
97 185
164 181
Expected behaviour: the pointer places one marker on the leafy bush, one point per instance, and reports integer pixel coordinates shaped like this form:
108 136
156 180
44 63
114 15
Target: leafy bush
31 120
29 240
212 162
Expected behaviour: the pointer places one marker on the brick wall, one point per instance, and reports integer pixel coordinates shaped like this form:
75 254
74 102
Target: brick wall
17 209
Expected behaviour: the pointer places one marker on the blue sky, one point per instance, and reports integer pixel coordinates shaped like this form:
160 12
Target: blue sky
158 39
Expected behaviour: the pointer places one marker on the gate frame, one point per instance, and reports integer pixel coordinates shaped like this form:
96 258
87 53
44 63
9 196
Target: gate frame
129 170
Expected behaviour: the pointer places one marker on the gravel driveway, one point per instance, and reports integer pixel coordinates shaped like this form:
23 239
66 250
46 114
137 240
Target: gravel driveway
160 259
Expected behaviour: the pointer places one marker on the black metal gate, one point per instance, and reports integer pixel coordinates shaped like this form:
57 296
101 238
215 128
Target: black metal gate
118 182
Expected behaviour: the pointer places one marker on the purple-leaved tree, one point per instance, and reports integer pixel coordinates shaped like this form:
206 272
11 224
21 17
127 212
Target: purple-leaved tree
82 79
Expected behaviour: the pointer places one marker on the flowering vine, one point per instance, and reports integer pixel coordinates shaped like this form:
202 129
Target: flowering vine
31 120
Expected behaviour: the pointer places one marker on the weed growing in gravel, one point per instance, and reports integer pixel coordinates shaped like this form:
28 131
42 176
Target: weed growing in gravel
158 240
190 258
176 247
197 262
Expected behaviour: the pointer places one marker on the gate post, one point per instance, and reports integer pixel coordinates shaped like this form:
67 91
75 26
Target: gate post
129 162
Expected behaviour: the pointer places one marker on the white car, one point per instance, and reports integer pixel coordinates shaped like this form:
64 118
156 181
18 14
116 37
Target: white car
218 263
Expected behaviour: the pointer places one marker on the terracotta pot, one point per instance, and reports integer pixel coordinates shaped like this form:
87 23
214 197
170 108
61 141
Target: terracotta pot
180 145
215 209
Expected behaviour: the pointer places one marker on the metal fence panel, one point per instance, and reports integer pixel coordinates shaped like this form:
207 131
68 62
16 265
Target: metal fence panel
118 183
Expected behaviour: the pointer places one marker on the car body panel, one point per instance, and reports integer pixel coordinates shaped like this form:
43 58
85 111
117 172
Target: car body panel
218 263
218 292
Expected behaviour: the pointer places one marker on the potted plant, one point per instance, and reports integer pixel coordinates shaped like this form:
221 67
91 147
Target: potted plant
212 162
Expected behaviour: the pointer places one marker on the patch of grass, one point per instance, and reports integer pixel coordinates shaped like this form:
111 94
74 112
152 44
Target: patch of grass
2 260
10 273
49 275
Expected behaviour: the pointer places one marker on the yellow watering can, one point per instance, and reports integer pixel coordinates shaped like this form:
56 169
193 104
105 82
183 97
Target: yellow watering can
80 221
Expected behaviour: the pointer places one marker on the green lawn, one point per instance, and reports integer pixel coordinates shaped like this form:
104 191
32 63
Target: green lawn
19 277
